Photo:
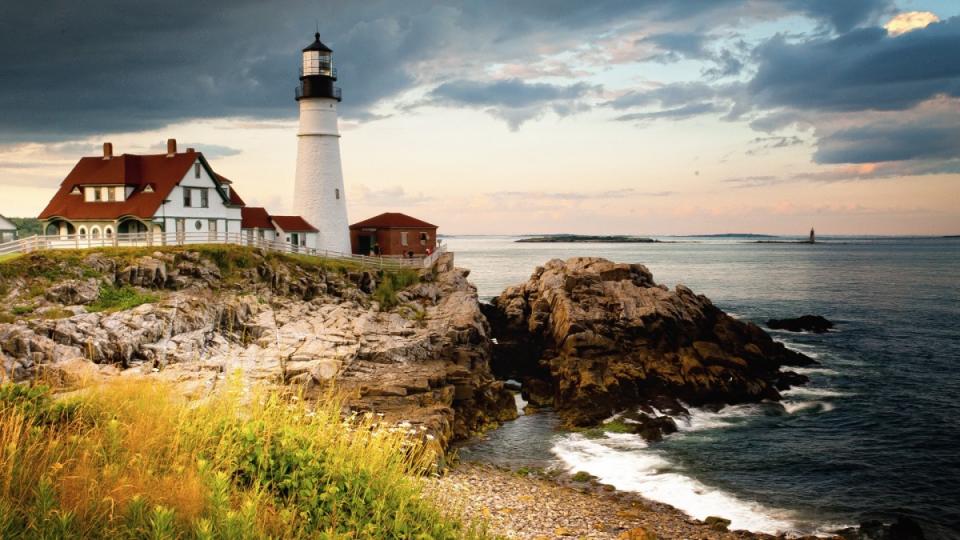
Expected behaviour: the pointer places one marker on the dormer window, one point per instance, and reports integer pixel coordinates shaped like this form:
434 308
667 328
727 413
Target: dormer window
76 191
148 189
196 170
97 194
111 194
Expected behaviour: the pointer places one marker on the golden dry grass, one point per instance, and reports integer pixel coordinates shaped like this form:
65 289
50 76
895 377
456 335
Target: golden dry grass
133 459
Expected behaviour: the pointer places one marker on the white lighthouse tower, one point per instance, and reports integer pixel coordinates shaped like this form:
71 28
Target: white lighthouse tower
318 192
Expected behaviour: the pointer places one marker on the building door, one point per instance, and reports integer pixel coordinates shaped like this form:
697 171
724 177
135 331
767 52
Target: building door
249 237
365 244
212 228
295 241
181 230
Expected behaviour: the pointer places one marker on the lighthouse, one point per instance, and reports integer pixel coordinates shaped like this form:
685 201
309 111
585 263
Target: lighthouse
318 191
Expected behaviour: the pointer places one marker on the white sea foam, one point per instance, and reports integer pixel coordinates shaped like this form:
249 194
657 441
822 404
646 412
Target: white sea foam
807 391
625 463
521 403
793 407
813 370
701 419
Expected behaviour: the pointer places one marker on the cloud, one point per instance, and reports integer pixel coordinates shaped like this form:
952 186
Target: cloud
677 113
843 15
762 145
865 69
849 173
512 100
393 196
98 67
910 21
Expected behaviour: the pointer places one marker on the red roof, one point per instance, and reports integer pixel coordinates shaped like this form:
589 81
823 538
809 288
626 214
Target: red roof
255 217
159 171
389 220
293 224
235 199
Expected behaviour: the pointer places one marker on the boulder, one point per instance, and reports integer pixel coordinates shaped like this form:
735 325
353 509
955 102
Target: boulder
596 337
805 323
74 291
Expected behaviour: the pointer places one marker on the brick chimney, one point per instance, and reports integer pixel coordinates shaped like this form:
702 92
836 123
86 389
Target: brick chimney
171 147
107 150
191 150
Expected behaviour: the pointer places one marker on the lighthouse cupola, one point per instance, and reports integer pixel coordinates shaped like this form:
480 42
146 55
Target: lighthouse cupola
317 74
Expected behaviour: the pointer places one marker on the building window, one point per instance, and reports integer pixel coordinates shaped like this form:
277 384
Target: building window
111 194
82 232
403 238
96 194
95 232
196 170
198 225
424 237
337 191
204 199
107 232
187 202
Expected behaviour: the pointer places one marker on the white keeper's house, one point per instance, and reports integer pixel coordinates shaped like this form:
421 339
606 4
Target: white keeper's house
162 193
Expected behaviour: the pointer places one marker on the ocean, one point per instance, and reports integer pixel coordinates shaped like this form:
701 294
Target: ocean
876 433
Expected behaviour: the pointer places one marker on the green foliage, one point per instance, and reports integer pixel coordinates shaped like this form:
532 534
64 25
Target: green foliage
21 310
582 476
35 402
120 299
391 283
615 426
135 461
26 226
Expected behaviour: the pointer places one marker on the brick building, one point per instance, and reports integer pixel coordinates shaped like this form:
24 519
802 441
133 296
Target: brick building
393 233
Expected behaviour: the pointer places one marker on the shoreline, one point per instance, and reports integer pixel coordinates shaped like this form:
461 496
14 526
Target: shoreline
537 506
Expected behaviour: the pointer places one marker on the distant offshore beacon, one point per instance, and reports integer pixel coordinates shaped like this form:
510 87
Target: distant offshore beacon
318 191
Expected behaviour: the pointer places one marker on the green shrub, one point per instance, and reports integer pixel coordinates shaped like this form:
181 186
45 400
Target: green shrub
21 310
391 283
582 476
120 299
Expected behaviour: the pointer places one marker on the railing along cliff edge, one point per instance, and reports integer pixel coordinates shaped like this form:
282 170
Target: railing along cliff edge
76 241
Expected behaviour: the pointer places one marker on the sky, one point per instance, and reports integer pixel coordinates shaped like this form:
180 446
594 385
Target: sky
503 117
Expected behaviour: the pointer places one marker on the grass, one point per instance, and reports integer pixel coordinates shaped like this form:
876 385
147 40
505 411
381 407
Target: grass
8 257
120 299
133 460
598 432
391 283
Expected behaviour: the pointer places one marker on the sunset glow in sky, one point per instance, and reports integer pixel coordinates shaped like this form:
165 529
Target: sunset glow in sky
764 116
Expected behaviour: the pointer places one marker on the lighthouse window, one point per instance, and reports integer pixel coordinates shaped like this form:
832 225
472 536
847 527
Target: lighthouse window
337 191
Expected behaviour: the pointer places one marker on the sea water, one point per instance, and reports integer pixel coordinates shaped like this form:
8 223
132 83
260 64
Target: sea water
876 433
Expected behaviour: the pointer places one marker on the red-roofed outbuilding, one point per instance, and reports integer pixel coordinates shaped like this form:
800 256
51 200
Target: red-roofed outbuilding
393 233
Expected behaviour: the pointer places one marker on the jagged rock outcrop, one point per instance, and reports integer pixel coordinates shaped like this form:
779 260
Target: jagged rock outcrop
592 337
274 320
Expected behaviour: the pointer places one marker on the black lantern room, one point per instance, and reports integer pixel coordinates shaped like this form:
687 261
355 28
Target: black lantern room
317 74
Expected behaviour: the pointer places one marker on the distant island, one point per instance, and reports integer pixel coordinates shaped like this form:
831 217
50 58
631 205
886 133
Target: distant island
730 235
587 239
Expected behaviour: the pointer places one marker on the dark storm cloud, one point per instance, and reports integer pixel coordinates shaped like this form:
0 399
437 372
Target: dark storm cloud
843 14
512 100
512 93
933 136
79 68
865 69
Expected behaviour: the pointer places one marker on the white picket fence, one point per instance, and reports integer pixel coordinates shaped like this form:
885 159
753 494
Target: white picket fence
76 241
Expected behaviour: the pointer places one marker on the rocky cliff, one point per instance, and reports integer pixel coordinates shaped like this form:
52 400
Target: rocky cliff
195 315
591 338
